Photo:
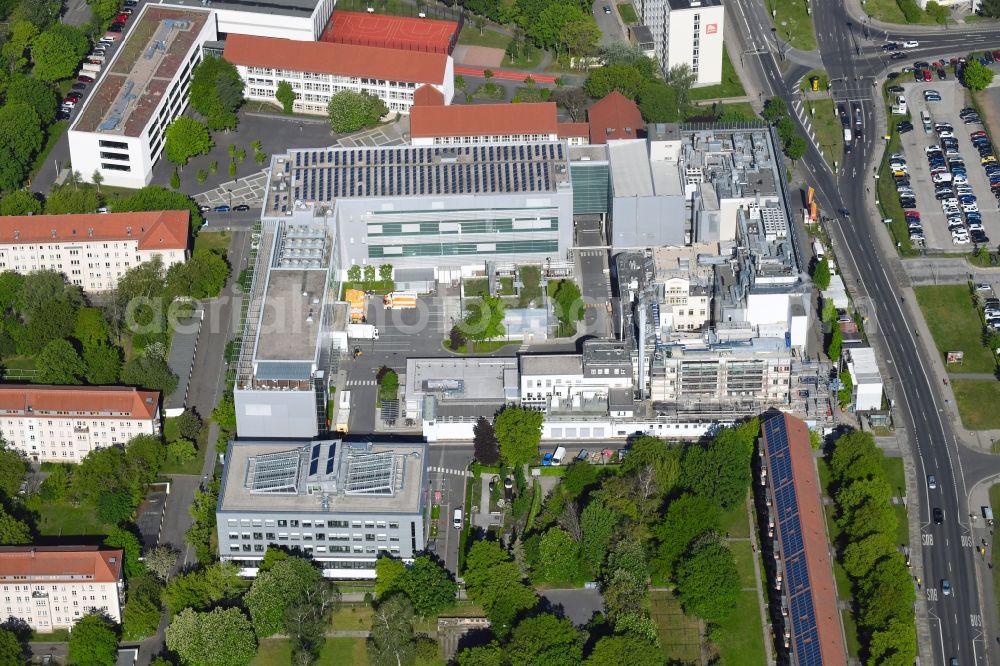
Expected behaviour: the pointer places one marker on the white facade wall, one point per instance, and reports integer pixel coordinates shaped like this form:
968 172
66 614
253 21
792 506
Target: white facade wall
691 35
47 606
264 24
599 429
92 265
537 390
493 138
127 161
68 439
681 310
314 90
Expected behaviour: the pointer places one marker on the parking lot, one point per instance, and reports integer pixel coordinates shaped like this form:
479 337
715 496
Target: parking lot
933 220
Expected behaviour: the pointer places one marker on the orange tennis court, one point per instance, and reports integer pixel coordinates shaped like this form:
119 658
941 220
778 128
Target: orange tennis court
394 32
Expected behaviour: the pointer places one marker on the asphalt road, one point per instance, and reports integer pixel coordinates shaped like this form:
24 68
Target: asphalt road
853 63
612 31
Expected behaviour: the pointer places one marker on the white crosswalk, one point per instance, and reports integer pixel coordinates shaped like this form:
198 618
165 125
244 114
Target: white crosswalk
361 382
445 470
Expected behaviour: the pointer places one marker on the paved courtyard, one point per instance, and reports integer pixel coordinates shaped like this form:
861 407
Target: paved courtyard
390 134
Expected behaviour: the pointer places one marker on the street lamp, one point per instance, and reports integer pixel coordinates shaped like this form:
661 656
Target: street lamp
230 191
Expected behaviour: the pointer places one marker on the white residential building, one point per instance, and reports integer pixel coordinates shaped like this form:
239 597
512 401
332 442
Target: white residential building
92 250
867 379
52 587
686 32
119 130
318 70
65 423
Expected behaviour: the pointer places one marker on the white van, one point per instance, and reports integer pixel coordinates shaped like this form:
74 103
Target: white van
457 519
558 456
925 118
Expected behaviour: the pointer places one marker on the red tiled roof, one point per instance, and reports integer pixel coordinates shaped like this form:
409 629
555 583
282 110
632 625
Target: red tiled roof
611 116
567 130
67 563
156 230
121 401
341 59
814 541
427 95
483 119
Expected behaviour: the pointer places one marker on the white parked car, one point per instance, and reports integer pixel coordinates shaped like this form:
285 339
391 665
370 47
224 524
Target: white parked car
910 44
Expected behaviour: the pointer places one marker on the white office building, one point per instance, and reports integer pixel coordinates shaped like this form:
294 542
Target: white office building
686 32
865 376
92 250
303 20
52 587
318 70
65 423
120 128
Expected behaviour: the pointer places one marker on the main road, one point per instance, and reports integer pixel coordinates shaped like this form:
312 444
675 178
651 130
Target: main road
848 49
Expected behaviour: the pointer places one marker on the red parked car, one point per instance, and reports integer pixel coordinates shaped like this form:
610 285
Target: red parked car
927 75
83 78
121 18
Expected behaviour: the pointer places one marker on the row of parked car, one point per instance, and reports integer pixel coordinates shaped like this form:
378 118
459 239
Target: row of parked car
991 307
94 61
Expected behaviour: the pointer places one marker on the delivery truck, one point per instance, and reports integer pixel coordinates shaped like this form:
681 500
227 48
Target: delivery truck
362 332
399 300
91 68
356 299
343 411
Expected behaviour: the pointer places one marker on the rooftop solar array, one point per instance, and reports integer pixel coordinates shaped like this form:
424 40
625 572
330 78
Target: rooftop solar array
802 615
274 473
371 474
324 175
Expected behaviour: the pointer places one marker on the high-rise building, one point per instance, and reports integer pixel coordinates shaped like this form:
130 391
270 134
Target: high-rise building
686 32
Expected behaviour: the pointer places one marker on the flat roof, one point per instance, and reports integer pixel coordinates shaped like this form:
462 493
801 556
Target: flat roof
694 4
333 58
630 172
279 7
284 333
551 364
459 379
270 476
138 75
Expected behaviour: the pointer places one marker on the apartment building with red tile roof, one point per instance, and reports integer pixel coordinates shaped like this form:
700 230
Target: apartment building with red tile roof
92 250
52 587
65 423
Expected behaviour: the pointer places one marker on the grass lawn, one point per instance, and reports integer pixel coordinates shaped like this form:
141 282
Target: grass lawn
744 562
217 241
829 131
806 86
893 468
59 519
627 12
490 91
887 196
680 636
955 325
851 632
734 522
55 132
481 347
995 503
793 23
522 61
470 36
351 617
731 85
885 10
336 651
977 401
740 637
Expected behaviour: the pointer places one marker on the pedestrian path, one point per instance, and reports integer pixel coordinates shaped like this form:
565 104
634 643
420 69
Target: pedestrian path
448 470
361 382
504 75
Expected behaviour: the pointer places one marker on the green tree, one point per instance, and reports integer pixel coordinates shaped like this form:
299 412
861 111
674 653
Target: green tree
796 147
222 637
66 199
429 586
484 319
494 581
120 537
518 431
273 591
559 556
57 52
11 650
860 557
976 76
201 589
20 140
637 625
307 619
351 111
93 641
821 274
151 372
990 8
186 137
36 94
103 364
354 273
484 655
20 37
224 413
59 363
774 110
13 532
664 459
624 78
658 103
681 78
160 561
545 640
579 477
846 392
611 650
719 471
20 202
574 101
182 451
154 197
90 327
389 575
285 96
580 36
708 582
833 345
217 92
141 615
202 276
484 441
855 456
96 178
114 507
13 467
199 535
597 522
188 424
385 272
896 644
687 518
369 278
390 642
